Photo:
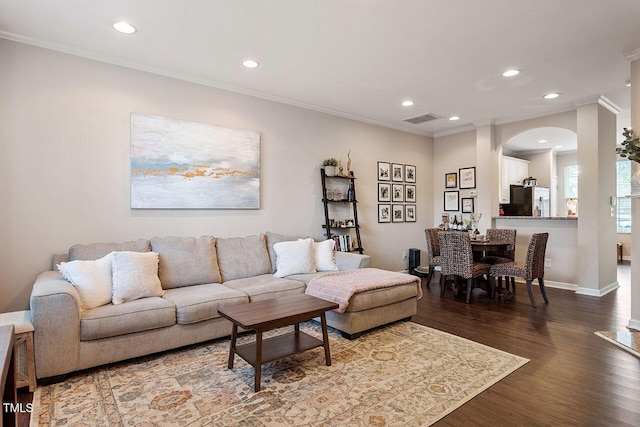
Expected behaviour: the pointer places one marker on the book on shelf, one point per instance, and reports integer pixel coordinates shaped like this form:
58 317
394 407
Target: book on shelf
343 242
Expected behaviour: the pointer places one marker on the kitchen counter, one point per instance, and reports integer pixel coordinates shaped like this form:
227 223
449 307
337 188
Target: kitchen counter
571 218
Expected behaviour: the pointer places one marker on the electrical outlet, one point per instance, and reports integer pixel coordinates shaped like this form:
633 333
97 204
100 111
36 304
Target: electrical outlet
547 262
404 255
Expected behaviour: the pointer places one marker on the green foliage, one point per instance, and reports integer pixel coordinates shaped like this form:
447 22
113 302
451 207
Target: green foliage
630 146
330 162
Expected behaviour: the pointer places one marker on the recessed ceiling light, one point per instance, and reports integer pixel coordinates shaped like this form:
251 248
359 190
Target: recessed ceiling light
558 146
628 84
124 27
551 95
407 103
250 63
511 73
542 141
453 118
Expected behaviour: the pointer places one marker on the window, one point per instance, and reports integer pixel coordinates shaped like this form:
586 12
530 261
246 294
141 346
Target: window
571 187
623 205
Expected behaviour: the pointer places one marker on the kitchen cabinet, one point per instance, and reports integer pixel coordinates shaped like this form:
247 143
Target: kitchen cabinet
512 172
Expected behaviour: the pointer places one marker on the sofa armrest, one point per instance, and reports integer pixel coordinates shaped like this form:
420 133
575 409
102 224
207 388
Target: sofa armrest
351 261
55 313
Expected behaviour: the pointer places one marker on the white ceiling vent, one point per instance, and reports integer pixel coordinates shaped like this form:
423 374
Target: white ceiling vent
422 118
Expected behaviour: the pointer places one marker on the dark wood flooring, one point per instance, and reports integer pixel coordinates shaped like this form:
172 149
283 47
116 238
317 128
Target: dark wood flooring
574 378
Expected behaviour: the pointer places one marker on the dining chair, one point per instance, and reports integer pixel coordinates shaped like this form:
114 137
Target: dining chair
457 260
495 257
433 251
532 268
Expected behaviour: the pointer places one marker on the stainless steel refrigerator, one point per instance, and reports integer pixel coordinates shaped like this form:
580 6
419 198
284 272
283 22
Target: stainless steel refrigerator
528 201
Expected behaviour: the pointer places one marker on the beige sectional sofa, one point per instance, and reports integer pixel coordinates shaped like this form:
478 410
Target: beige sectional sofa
198 276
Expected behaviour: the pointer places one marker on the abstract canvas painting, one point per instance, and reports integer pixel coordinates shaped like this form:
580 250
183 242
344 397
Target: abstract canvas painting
177 164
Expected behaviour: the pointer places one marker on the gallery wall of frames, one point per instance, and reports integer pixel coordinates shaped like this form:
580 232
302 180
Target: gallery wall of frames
396 192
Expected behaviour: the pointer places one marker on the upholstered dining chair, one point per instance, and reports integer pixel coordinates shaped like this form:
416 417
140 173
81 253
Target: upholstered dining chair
532 268
433 251
495 257
457 260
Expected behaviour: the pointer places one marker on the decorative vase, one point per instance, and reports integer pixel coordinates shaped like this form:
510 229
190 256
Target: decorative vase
330 170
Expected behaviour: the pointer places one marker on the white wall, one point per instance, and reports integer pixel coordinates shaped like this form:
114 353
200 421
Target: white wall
540 166
64 164
563 160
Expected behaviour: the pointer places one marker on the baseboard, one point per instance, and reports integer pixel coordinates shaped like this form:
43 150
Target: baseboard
553 284
634 324
598 292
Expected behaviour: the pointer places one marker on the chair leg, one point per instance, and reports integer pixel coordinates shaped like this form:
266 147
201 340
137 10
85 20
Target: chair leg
429 275
492 286
443 282
530 290
513 285
469 288
544 294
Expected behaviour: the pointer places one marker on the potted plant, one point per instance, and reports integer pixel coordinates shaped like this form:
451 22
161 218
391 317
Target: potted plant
631 150
330 166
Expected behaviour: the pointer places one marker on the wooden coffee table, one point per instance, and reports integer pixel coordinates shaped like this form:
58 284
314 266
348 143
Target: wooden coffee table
275 313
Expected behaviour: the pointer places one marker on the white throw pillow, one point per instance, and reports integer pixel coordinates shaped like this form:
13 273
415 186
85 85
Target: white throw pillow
92 279
135 276
294 257
324 255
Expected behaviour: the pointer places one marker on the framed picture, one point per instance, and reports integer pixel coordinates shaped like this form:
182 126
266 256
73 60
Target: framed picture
398 213
397 172
410 173
450 180
384 213
409 193
467 205
467 177
451 201
397 193
384 192
384 171
410 213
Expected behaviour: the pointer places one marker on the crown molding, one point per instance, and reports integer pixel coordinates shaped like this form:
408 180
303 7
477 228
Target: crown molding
600 100
461 129
486 122
633 55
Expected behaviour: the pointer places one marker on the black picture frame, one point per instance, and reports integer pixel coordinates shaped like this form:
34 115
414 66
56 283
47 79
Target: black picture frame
451 180
451 201
409 173
397 193
397 172
384 213
409 193
467 177
397 213
410 213
384 171
384 192
467 205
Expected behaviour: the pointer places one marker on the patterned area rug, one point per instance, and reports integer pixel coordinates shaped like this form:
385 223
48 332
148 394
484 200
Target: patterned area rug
628 341
405 374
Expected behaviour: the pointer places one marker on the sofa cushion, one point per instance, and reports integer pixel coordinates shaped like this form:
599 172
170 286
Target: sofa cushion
135 316
201 302
135 275
325 255
272 239
98 250
241 257
266 286
92 279
186 261
295 257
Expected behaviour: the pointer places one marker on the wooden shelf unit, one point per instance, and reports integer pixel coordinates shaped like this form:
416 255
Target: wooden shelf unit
357 245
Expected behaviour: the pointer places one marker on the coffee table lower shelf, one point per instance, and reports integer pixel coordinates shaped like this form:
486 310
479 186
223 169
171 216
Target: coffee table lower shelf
279 347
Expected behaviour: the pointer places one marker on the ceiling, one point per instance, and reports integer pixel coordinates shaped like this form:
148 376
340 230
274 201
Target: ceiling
361 58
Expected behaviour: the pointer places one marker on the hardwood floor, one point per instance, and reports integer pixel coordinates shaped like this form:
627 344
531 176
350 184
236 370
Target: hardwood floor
573 378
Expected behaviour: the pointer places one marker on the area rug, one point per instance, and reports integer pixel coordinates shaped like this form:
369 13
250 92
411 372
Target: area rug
404 374
628 341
